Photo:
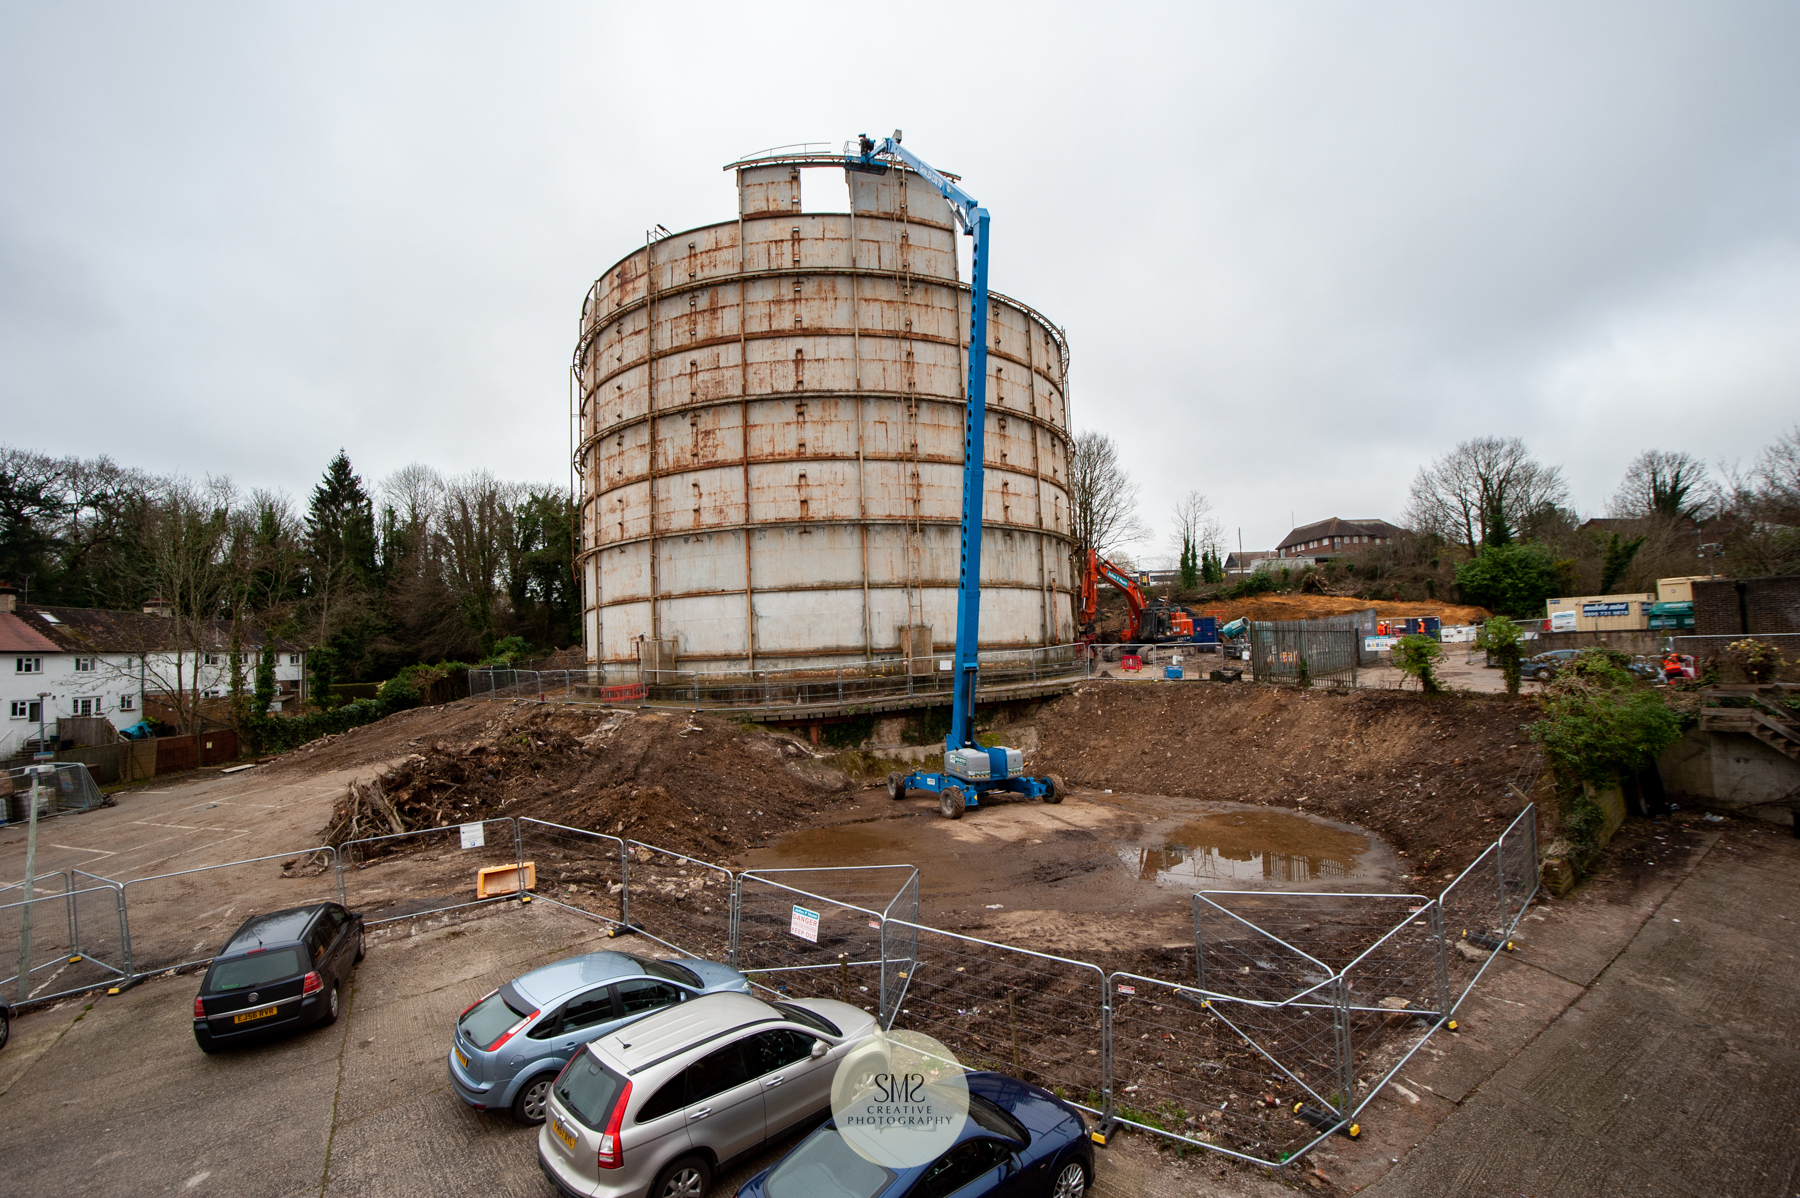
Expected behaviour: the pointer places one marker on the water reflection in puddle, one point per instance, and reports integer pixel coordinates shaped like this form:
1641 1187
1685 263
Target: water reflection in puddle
1248 846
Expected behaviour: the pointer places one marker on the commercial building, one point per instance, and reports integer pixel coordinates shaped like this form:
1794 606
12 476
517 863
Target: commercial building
1325 539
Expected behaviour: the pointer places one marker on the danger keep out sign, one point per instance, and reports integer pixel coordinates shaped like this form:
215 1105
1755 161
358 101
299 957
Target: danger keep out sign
805 924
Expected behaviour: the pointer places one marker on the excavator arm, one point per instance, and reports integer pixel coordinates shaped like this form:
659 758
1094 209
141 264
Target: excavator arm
1098 568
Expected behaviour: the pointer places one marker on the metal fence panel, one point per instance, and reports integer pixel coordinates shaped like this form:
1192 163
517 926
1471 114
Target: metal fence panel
49 963
1185 1066
177 919
390 877
679 901
63 787
1033 1015
97 927
1300 651
581 870
819 932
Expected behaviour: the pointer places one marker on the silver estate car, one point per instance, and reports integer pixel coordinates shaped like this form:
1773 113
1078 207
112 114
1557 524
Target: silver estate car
509 1046
658 1107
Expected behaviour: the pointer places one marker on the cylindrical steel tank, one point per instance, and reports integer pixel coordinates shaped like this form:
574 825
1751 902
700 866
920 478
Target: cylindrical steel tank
770 439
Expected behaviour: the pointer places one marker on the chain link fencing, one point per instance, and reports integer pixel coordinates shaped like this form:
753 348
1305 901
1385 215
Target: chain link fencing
577 870
820 933
180 917
1300 1008
1036 1016
681 902
389 877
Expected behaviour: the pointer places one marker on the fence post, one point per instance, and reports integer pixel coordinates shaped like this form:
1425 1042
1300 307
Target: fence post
1106 1052
1340 990
624 882
1440 950
1500 868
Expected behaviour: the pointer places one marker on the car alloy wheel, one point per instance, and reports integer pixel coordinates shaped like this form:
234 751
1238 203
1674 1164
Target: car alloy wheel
689 1178
532 1104
1071 1182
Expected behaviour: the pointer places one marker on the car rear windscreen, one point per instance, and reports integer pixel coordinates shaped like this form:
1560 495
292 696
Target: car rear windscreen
589 1090
809 1018
667 970
257 969
489 1019
826 1167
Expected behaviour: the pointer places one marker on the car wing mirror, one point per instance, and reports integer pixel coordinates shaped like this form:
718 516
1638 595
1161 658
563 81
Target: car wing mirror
819 1049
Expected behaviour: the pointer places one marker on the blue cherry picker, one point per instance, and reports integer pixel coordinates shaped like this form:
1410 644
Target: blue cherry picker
971 771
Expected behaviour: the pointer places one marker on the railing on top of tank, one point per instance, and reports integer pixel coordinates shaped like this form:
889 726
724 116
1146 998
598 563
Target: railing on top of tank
796 686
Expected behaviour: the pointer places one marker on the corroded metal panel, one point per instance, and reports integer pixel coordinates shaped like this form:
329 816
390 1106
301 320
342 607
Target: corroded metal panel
769 189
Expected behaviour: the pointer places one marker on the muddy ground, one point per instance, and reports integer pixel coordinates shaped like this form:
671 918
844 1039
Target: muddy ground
1436 777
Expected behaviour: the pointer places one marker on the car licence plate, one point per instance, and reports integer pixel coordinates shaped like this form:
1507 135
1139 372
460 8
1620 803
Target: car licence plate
563 1134
247 1016
461 1058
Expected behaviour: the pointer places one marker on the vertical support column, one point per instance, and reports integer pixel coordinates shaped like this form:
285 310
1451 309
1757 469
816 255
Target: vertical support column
968 598
1441 954
744 438
862 493
650 433
1346 1067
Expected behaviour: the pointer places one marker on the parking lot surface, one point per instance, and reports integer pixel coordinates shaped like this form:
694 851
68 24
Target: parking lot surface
110 1095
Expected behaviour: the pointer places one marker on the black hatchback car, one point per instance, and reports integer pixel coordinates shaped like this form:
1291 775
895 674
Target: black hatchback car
278 971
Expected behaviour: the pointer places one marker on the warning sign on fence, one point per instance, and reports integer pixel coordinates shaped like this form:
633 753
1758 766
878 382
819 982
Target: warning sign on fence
473 835
805 924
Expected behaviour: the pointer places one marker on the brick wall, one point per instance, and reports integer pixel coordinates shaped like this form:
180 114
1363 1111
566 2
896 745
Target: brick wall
1734 606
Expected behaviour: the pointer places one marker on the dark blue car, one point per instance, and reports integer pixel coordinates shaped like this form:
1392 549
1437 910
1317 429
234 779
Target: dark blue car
1018 1142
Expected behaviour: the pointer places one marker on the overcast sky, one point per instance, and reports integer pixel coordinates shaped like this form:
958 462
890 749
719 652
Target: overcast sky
1298 249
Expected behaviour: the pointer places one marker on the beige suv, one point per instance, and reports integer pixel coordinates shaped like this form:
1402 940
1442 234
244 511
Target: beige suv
657 1107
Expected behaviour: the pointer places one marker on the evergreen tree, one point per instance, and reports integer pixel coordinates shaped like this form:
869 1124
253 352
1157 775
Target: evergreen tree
1190 564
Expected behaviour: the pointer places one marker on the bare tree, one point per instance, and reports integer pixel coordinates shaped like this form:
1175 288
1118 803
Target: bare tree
1102 497
1663 484
1482 491
1762 531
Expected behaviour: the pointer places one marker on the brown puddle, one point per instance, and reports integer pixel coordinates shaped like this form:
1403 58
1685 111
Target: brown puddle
1256 845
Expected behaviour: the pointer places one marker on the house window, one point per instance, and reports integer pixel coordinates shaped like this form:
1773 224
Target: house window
24 709
212 659
84 707
84 665
127 702
28 665
293 659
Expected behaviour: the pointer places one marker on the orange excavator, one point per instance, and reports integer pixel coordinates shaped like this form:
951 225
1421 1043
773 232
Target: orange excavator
1153 622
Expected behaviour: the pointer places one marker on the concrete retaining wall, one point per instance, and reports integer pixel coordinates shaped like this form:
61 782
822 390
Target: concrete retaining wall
1731 771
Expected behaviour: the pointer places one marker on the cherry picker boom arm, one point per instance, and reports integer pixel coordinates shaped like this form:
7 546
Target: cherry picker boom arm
971 770
974 220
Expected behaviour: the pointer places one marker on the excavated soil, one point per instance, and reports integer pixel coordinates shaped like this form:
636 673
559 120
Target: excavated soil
1436 777
696 784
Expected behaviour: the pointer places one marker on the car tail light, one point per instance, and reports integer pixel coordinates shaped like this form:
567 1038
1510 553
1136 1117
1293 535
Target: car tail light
313 984
510 1032
612 1153
199 1008
476 1003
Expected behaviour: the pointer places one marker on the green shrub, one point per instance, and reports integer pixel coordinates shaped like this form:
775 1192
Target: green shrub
1417 656
1504 641
1512 579
1600 725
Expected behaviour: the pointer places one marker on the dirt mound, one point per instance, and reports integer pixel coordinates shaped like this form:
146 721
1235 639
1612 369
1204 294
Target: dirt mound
1433 776
1312 607
398 734
696 784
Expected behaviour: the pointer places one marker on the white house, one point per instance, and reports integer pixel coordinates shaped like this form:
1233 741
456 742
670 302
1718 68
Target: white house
57 662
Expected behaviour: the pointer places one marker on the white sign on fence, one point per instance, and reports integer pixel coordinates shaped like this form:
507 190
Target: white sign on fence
1378 644
805 924
473 835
